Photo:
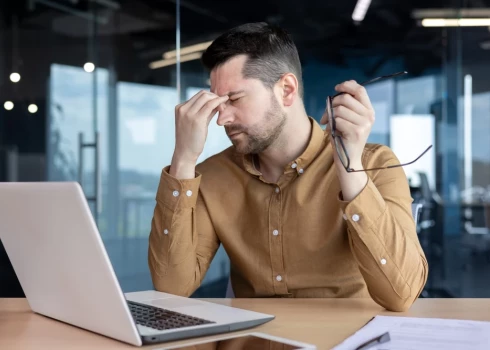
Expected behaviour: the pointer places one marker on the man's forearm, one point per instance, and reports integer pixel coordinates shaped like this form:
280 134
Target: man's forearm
384 241
351 184
178 255
394 269
182 169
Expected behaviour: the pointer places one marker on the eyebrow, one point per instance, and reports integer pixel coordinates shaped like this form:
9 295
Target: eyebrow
231 93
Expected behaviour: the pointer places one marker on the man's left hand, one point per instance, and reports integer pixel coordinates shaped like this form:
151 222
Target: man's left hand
354 116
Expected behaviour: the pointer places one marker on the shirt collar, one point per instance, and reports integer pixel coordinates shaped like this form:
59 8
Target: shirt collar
317 141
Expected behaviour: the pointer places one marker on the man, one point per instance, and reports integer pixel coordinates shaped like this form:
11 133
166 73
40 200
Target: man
292 220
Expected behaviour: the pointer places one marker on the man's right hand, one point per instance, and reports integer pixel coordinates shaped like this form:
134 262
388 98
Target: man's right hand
192 119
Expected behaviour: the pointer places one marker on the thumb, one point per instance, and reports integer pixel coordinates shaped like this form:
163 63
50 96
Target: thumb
212 115
216 109
324 119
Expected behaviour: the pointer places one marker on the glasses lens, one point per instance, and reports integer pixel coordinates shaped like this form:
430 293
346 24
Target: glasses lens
341 151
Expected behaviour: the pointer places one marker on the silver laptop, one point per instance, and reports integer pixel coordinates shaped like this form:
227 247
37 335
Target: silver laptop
60 260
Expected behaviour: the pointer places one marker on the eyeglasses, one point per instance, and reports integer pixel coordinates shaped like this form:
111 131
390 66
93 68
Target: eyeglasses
339 143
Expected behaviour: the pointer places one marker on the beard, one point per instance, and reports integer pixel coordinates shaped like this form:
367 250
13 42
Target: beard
257 138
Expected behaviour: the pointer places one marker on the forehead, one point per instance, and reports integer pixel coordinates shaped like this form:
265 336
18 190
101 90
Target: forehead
228 77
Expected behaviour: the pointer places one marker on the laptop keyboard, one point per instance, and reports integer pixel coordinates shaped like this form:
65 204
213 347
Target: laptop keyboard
161 319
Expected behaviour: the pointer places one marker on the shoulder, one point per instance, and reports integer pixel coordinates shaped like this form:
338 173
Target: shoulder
382 156
378 155
219 163
220 174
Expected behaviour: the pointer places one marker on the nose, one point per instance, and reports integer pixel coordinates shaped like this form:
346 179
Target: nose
225 115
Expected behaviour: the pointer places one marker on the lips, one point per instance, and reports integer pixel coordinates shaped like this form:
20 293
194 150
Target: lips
234 134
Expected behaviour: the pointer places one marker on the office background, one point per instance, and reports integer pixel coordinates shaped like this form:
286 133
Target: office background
88 89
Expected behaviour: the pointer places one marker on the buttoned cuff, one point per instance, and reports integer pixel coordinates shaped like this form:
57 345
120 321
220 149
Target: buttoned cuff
365 208
372 236
175 193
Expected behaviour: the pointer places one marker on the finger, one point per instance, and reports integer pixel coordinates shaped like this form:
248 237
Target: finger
184 107
211 107
351 103
324 119
200 102
358 91
349 131
188 104
345 127
342 112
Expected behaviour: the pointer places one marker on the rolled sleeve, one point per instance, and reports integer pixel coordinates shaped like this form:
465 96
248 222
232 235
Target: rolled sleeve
182 240
369 201
175 193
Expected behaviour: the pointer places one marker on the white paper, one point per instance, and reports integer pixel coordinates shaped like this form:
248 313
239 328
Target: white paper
411 333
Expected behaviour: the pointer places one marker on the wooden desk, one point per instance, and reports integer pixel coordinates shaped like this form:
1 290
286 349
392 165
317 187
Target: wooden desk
324 322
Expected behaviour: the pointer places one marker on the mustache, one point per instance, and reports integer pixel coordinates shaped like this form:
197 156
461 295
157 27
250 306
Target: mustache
233 129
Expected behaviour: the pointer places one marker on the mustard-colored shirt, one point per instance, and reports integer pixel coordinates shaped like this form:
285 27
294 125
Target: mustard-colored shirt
294 238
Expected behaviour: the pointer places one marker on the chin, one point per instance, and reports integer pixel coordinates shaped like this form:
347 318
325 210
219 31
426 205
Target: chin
241 148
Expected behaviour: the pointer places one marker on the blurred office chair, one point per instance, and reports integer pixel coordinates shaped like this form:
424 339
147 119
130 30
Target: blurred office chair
416 211
476 230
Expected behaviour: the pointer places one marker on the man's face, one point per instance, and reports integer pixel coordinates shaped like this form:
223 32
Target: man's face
252 117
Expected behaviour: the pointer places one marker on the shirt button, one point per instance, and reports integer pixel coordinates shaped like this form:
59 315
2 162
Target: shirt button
175 193
279 278
277 189
165 231
294 165
189 193
275 232
383 261
301 171
355 217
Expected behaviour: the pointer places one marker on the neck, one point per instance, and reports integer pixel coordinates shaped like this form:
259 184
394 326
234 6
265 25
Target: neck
290 145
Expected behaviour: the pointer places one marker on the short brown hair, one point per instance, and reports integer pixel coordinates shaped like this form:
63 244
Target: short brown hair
270 49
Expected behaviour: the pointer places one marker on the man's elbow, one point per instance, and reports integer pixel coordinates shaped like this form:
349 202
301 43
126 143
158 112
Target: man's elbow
165 286
394 303
399 302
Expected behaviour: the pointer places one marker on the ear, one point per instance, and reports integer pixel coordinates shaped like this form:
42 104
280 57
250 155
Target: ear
289 89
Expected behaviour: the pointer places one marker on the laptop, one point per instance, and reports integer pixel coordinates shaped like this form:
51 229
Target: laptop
60 260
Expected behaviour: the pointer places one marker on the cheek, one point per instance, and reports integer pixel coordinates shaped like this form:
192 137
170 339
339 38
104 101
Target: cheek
248 116
255 114
251 111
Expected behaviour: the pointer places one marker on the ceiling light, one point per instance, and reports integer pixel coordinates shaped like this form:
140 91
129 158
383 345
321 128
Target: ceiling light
360 10
9 105
456 22
170 61
451 13
188 49
32 108
89 67
15 77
